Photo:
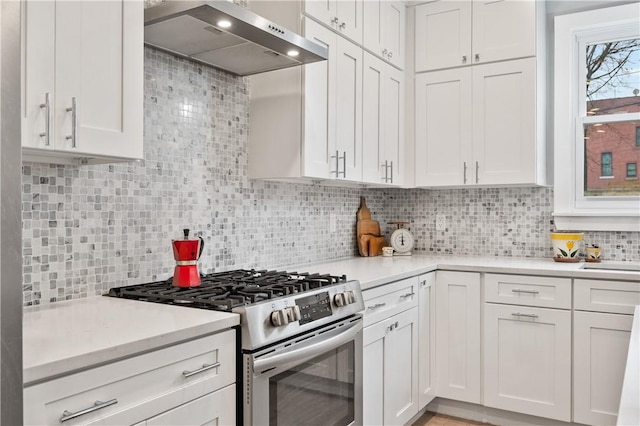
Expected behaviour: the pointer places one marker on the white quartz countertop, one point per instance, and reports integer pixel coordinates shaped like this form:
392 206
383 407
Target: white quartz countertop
375 271
629 412
73 335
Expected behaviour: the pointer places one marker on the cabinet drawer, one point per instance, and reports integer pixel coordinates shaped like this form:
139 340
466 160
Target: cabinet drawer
617 297
389 299
143 386
528 290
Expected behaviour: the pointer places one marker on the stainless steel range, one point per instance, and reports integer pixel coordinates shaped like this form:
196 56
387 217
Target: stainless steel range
301 341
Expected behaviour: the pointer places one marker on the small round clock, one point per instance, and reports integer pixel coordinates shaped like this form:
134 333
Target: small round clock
402 241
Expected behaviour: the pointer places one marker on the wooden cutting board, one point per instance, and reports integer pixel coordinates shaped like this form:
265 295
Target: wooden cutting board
369 238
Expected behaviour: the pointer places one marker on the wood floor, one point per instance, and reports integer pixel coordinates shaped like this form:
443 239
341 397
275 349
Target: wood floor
433 419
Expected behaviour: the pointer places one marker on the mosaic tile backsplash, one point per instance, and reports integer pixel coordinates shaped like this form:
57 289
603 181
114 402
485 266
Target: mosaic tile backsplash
87 229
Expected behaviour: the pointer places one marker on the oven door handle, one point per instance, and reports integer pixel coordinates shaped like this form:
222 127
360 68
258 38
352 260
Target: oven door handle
303 353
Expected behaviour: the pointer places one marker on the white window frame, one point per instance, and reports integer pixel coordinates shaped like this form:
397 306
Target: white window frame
573 210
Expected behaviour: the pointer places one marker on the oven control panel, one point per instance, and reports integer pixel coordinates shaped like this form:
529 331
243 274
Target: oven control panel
311 308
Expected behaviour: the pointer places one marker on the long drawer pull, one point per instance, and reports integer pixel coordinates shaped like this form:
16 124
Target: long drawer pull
519 315
404 296
67 415
376 306
47 119
204 368
517 290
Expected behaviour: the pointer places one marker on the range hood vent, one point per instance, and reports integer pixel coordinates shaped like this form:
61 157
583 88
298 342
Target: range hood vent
226 36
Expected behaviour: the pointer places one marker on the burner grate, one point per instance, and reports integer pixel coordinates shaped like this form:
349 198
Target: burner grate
227 290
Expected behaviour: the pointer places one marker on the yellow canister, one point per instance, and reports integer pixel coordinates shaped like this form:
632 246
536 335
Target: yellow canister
566 246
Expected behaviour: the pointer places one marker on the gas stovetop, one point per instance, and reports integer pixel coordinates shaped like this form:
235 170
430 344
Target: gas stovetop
224 291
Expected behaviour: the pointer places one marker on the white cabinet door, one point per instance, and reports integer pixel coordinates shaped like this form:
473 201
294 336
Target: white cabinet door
99 62
443 138
426 339
390 361
348 109
344 16
600 347
527 360
319 96
383 113
97 96
38 78
504 29
401 369
458 335
384 30
442 35
504 123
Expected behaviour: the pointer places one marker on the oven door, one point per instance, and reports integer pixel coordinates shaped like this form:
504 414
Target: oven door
312 379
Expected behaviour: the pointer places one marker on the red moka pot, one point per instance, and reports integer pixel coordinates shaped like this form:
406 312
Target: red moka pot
186 252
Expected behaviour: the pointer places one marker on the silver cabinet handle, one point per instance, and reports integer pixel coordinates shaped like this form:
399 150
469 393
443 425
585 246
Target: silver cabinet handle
423 283
391 167
386 171
337 157
393 326
74 121
47 119
67 415
385 52
464 59
519 315
344 164
517 290
376 306
464 164
204 368
477 57
343 25
477 167
404 296
390 55
334 20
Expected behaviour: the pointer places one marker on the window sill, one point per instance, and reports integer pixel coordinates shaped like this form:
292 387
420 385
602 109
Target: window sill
596 222
607 177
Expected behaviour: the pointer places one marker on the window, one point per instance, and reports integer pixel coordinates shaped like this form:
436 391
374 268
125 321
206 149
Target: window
605 164
632 170
597 121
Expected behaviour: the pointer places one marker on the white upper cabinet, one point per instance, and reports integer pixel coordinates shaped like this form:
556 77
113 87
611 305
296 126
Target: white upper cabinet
383 115
457 33
83 81
384 30
344 16
477 126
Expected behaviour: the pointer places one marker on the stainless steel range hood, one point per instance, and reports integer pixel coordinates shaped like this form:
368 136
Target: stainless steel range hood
226 36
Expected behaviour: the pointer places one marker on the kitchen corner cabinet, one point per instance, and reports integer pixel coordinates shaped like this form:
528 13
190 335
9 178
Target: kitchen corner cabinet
188 383
82 81
479 126
460 33
316 129
427 339
343 16
390 353
383 115
384 30
458 335
602 320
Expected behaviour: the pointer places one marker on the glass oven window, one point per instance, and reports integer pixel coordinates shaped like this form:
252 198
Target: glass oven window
316 392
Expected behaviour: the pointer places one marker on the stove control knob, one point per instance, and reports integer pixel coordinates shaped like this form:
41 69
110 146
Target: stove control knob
340 299
293 313
351 298
279 318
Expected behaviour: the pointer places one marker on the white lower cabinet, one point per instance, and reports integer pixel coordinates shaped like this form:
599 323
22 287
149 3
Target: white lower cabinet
187 383
601 343
600 346
527 360
458 335
390 353
426 339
